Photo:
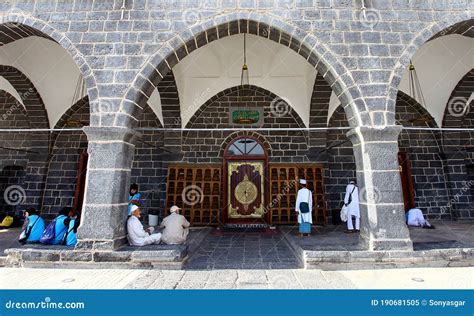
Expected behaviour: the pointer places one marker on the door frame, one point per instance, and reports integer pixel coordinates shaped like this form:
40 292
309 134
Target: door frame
80 182
406 178
225 159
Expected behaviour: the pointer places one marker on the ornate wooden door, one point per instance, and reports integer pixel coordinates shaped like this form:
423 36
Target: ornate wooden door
245 192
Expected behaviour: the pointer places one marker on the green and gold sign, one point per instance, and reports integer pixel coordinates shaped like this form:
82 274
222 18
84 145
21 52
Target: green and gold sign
246 116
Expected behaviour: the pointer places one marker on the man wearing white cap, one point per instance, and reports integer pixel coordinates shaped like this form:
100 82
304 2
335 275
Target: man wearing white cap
176 227
137 235
351 201
304 208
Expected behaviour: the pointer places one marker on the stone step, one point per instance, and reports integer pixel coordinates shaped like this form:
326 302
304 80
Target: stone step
127 257
151 256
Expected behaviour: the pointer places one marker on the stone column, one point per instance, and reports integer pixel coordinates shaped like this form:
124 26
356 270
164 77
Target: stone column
104 213
380 191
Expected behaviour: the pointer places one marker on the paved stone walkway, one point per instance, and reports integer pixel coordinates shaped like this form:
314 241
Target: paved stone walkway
243 251
9 239
416 278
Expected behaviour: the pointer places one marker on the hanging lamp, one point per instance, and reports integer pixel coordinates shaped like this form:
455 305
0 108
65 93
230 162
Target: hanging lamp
417 93
244 76
245 116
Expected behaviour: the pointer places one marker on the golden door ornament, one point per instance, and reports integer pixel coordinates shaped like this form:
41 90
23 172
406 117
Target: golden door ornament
245 192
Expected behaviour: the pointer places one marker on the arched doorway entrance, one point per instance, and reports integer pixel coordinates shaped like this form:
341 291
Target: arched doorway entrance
245 168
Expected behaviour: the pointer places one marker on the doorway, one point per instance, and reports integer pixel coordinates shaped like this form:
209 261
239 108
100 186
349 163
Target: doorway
245 169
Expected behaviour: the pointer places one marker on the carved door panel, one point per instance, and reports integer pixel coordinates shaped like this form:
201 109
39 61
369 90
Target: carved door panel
245 189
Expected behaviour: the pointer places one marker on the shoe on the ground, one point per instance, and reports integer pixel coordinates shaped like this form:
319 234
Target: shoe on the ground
348 231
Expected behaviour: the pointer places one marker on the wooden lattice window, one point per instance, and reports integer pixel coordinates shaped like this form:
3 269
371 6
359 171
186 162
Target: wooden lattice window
197 190
283 189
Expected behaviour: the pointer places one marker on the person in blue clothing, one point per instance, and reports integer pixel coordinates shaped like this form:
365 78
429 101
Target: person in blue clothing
133 198
70 239
34 225
62 221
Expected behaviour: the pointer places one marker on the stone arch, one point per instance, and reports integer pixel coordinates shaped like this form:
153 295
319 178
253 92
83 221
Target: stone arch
38 27
423 148
404 99
271 27
436 29
229 139
236 89
170 107
203 145
457 112
34 105
458 147
63 160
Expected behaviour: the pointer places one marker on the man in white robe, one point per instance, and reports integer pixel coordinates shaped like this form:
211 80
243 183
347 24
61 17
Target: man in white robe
176 227
352 195
137 235
415 218
304 195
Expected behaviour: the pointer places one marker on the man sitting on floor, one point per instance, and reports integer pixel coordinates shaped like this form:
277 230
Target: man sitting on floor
176 227
137 235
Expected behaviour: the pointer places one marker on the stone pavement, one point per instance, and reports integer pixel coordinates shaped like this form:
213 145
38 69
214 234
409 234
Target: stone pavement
447 234
8 239
413 278
243 251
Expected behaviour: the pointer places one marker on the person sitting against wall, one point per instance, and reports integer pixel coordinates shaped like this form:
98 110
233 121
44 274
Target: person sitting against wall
415 218
137 235
133 198
176 227
60 228
72 223
32 228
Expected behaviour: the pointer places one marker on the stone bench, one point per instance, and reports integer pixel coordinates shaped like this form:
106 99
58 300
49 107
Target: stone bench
127 257
147 257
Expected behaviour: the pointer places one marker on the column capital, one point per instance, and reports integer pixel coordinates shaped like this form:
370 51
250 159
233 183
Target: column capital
367 134
104 134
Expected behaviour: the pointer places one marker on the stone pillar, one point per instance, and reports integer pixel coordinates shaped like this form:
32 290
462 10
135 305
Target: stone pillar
380 191
104 213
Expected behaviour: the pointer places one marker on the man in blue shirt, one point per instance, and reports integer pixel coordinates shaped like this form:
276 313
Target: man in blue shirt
61 225
35 225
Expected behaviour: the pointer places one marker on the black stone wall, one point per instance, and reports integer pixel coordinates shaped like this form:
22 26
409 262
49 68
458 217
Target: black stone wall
13 163
459 149
431 171
205 147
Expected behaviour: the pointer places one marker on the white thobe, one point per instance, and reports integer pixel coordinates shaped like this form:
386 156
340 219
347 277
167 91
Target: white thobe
416 218
176 229
304 195
137 236
353 207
